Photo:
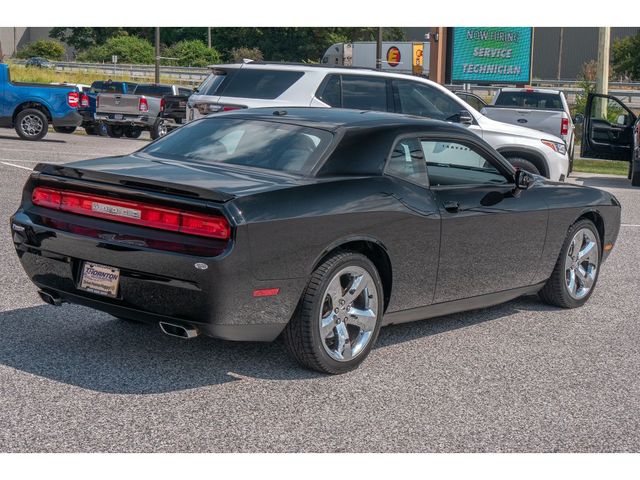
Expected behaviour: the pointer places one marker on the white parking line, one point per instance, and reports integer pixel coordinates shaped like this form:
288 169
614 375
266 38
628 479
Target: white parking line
629 225
17 166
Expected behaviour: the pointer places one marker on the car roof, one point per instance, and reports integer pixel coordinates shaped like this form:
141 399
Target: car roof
336 118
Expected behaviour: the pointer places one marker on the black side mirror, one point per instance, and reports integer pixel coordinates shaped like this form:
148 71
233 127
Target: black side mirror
465 118
523 179
579 119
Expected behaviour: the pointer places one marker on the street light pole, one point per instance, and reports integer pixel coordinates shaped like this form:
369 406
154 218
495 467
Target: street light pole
157 54
379 49
602 71
209 37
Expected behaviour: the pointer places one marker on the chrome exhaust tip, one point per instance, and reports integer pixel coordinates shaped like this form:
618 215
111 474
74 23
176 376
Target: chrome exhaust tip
49 298
179 331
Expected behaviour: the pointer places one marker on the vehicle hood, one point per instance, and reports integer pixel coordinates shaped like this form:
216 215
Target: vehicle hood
219 183
489 125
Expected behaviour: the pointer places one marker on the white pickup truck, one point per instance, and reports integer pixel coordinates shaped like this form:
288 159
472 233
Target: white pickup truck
537 108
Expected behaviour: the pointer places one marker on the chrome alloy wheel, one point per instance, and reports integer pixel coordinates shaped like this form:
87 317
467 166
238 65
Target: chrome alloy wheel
348 314
31 125
581 263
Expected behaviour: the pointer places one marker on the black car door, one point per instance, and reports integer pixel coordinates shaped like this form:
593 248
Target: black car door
492 234
608 129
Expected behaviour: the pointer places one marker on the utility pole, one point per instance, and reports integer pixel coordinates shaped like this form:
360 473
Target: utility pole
209 37
379 49
157 54
560 53
602 72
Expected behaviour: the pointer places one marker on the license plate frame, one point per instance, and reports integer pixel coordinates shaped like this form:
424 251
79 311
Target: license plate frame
118 116
99 279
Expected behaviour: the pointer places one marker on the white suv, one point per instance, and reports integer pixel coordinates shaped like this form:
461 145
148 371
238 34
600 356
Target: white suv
254 84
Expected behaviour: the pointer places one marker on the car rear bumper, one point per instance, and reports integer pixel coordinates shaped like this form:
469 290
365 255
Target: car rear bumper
71 119
157 285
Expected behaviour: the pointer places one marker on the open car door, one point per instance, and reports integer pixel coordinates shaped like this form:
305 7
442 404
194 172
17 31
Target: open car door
608 129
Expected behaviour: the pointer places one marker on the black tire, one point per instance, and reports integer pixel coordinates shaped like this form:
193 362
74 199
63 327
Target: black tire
102 130
132 132
67 130
555 291
302 334
523 164
115 131
31 116
158 130
634 176
91 130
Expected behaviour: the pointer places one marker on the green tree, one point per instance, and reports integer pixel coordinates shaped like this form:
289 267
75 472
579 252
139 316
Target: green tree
626 57
49 49
191 53
129 49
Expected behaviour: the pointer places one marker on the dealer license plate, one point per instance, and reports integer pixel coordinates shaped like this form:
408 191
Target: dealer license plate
99 279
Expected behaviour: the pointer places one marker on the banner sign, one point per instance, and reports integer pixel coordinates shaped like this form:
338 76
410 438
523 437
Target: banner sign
491 54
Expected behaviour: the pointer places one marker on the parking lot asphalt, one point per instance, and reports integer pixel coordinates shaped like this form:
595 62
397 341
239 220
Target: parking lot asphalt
521 376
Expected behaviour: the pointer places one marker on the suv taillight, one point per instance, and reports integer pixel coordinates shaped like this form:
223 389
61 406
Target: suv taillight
564 126
73 98
133 212
143 105
207 108
162 104
84 100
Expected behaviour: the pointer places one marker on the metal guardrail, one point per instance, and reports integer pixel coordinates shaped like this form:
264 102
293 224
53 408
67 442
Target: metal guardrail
134 72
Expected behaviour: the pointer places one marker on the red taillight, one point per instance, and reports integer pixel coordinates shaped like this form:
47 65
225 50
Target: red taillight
137 213
72 99
228 108
564 126
84 100
162 104
143 105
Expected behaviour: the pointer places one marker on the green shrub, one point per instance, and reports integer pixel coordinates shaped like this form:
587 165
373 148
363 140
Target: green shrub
129 49
190 53
239 54
49 49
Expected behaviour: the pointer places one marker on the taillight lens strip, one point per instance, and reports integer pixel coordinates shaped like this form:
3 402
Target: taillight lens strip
133 212
73 98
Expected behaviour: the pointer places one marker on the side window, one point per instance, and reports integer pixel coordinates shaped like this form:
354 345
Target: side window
414 98
453 163
407 162
364 93
472 100
331 93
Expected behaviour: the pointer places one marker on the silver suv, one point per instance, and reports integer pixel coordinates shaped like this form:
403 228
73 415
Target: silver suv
257 84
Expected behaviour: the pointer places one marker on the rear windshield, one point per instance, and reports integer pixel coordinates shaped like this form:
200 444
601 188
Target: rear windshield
263 84
106 87
533 100
211 84
153 90
253 143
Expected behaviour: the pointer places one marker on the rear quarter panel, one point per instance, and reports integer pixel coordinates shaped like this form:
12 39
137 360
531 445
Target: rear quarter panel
291 230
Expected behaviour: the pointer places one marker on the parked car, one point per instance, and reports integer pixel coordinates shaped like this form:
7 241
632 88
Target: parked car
31 107
611 131
130 114
315 223
39 62
542 109
88 112
259 84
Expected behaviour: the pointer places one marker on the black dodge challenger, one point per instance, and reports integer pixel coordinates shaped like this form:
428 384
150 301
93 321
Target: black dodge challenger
320 225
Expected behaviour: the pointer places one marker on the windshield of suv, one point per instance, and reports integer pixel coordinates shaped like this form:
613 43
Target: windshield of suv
253 143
